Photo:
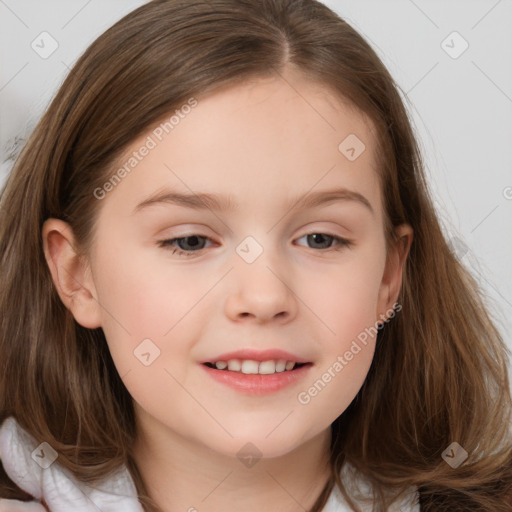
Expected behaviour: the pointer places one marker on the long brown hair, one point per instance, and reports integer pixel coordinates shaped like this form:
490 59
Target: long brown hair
439 372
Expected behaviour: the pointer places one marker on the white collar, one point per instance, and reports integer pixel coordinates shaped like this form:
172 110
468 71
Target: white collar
337 502
24 460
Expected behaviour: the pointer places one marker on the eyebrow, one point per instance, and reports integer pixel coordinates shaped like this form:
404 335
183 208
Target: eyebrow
214 202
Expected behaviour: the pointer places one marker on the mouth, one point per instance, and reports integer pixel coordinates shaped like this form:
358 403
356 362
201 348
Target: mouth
252 367
257 378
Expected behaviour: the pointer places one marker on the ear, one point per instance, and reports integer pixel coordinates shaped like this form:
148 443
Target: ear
72 278
392 277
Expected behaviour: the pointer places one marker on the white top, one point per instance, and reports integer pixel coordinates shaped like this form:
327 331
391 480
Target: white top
34 469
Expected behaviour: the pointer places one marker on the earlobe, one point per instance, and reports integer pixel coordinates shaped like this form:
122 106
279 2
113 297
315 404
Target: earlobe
71 278
392 278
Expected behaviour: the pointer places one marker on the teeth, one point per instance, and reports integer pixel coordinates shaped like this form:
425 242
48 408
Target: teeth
234 365
248 366
281 365
267 367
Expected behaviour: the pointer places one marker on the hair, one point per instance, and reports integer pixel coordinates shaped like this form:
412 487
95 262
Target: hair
439 372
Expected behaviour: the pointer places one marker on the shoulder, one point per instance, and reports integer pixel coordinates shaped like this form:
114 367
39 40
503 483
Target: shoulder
35 468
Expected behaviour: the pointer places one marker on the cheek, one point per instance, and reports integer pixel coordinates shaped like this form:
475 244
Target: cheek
336 383
347 353
150 320
143 301
345 296
347 310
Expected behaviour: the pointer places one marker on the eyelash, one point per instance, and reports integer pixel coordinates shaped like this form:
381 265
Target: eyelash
168 244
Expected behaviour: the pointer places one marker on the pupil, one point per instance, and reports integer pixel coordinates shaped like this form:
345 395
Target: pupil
325 237
194 244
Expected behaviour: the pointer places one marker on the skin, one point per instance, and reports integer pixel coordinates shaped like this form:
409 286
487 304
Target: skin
263 143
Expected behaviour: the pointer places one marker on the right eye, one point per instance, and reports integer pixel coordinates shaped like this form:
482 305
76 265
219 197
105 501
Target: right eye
184 246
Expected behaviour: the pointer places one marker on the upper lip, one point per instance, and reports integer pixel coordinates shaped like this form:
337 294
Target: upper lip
257 355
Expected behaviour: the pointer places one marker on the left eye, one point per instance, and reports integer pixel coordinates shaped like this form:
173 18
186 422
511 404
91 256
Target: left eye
321 238
188 245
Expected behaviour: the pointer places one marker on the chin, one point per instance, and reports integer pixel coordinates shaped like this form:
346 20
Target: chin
257 445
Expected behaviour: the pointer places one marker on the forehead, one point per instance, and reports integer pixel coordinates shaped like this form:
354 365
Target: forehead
264 139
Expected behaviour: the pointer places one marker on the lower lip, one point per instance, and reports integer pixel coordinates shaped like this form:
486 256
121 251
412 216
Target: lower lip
257 384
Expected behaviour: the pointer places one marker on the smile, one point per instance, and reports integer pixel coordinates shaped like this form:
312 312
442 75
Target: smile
249 366
257 378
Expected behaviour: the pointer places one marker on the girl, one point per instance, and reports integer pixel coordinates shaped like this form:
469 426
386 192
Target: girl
173 339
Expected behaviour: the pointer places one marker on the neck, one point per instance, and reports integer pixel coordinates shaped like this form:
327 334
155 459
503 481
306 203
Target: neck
181 475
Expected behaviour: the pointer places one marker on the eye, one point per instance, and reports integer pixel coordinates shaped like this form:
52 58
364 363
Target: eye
186 245
325 240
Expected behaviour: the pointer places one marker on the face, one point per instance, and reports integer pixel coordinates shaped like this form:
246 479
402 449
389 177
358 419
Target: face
290 266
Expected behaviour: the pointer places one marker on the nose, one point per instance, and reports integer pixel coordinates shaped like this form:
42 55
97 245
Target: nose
261 292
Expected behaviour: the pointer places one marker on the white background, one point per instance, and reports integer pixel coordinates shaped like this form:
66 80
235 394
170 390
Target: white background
461 107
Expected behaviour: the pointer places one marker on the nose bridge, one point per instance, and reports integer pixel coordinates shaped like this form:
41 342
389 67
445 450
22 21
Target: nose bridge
260 275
